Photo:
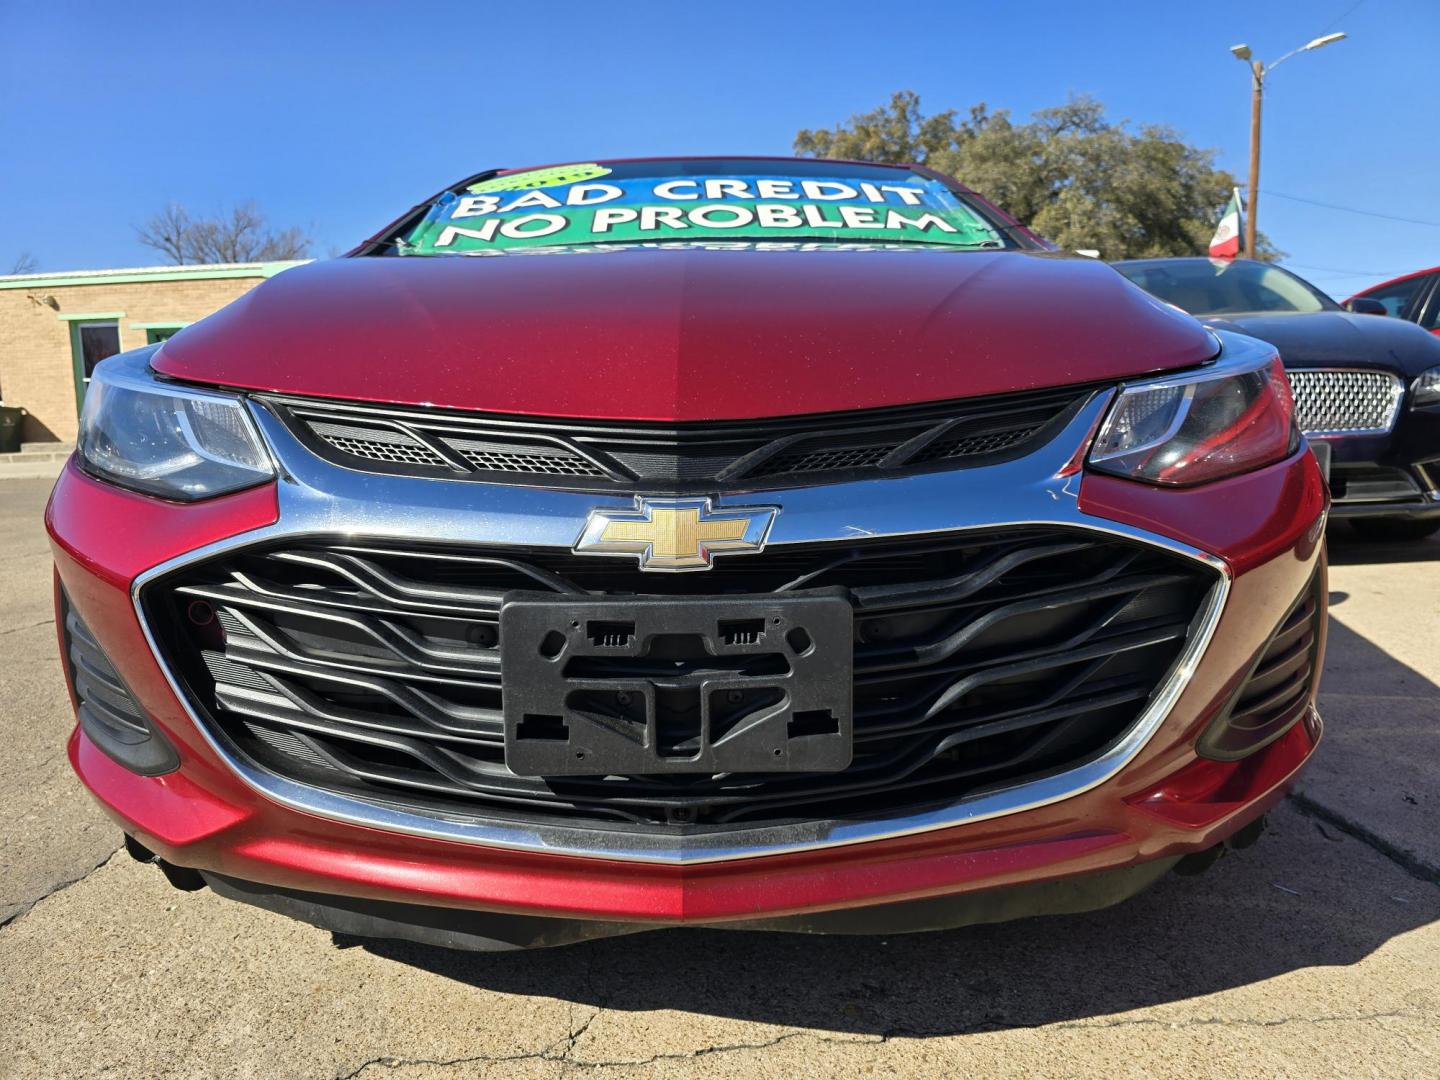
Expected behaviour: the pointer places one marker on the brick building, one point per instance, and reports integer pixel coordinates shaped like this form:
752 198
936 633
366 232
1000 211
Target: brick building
54 328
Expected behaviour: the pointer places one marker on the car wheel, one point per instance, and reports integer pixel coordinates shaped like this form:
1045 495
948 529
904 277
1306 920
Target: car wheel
1396 528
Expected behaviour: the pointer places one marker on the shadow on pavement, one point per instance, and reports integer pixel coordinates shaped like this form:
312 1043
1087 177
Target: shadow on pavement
1291 902
1347 548
1357 667
1377 769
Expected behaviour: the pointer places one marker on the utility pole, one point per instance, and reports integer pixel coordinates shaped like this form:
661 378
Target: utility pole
1258 71
1257 74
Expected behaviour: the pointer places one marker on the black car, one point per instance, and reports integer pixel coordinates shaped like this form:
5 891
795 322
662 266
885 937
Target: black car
1367 389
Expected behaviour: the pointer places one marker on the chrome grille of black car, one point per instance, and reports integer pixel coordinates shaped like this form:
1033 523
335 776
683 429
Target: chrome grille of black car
1345 402
981 658
681 458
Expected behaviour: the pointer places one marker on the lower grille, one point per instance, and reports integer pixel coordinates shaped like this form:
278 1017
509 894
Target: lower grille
980 659
1345 402
1365 482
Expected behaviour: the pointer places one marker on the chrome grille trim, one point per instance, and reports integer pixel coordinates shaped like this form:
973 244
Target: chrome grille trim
1345 401
317 498
1032 648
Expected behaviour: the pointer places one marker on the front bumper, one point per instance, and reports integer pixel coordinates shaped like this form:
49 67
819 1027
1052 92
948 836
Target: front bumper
1151 802
1395 474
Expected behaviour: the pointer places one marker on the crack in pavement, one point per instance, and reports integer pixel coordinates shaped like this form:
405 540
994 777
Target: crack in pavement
567 1059
27 626
27 906
1416 867
548 1053
545 1054
1221 1021
563 1058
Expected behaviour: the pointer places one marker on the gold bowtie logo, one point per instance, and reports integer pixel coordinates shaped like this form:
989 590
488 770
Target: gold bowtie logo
676 534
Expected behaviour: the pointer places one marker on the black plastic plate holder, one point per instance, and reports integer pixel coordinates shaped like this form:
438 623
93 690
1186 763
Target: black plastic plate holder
654 684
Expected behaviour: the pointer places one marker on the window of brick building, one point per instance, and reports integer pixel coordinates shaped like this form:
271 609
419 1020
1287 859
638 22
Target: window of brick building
91 342
154 334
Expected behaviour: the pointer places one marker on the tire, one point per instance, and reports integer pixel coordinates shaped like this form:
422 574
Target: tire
1381 529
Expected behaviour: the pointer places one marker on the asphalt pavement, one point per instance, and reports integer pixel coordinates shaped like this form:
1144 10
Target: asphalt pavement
1315 952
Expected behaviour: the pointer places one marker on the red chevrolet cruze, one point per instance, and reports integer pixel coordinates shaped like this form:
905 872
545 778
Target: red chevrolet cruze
762 543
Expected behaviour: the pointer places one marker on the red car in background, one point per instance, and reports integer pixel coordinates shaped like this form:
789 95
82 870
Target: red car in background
1414 297
759 543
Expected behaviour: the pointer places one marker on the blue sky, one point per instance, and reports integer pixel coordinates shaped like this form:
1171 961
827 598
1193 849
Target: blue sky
339 116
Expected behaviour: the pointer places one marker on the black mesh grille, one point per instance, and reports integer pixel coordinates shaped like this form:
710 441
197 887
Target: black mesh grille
945 449
502 457
854 457
979 659
697 457
377 444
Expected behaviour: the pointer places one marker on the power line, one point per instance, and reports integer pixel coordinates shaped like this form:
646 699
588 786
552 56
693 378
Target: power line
1348 273
1351 209
1341 17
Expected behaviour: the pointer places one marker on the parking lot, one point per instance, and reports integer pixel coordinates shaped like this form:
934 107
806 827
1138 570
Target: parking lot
1314 952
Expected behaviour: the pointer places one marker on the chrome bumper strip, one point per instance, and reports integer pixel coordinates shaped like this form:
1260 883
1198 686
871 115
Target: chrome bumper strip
320 499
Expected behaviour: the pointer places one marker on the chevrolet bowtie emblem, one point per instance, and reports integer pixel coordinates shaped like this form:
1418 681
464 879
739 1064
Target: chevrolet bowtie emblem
676 534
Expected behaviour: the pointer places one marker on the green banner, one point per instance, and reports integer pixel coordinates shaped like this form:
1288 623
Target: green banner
572 205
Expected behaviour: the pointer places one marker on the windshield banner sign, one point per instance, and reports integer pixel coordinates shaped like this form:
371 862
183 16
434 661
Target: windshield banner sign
589 204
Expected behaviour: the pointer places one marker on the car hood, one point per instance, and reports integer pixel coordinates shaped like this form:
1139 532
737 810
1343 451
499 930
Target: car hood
690 334
1340 339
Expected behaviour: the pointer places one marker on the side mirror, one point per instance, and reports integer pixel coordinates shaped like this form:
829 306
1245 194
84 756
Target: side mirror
1364 305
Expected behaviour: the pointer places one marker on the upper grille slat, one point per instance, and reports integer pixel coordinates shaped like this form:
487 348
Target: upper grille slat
981 658
697 457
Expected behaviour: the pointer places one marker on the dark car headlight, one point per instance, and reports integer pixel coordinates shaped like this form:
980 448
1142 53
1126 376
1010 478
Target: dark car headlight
1196 428
167 440
1426 389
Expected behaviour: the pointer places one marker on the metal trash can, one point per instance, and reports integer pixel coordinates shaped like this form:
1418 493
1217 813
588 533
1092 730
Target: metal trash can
12 420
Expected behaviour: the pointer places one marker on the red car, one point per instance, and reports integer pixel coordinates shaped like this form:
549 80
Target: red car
1415 297
761 543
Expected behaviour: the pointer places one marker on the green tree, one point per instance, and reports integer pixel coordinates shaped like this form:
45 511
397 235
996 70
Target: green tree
1070 173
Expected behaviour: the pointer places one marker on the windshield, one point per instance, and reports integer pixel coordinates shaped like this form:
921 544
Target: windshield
1223 287
697 201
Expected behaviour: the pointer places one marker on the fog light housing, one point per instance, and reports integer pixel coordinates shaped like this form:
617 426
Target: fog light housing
106 709
1276 692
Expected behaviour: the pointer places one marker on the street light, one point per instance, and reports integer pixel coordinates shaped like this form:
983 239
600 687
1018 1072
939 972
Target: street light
1258 71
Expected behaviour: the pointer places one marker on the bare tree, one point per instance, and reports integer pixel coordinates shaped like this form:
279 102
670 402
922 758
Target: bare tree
25 263
166 232
241 235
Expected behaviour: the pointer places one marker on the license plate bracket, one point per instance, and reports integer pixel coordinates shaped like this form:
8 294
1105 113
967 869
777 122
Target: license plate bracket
653 685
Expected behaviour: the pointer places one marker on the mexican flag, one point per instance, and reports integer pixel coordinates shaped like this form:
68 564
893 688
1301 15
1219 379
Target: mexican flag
1225 244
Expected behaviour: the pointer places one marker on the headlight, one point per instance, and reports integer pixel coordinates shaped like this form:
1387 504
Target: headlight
163 440
1427 388
1200 427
